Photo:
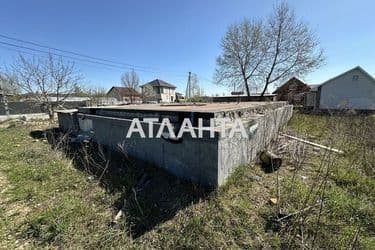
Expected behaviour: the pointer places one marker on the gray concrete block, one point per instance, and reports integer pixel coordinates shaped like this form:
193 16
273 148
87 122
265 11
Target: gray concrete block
208 161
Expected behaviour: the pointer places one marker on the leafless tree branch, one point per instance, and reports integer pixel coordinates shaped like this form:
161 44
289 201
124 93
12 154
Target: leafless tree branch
49 81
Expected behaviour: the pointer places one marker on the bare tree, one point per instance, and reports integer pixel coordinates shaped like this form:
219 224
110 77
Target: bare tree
50 81
263 53
6 86
130 80
196 90
98 96
243 53
292 48
148 93
96 92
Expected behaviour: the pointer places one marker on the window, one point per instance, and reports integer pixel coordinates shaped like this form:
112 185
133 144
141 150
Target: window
355 78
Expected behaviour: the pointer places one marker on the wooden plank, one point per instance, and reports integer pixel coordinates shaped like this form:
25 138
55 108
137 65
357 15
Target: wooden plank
314 144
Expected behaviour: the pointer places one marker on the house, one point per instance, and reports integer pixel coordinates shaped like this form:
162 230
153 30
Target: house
353 89
292 91
159 91
124 94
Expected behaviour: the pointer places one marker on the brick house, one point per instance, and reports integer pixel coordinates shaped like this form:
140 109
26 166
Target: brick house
124 94
292 91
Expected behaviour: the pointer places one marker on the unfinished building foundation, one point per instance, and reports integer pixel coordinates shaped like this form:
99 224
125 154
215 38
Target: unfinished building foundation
208 160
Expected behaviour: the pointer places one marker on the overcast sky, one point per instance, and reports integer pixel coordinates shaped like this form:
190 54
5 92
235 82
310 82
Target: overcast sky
169 38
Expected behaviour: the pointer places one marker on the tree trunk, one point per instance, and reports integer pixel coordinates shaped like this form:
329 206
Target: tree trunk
270 161
51 112
264 89
247 86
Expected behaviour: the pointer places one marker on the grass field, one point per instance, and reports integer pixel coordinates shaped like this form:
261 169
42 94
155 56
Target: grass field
48 199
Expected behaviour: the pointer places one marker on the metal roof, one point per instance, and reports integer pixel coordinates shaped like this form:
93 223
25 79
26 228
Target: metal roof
159 83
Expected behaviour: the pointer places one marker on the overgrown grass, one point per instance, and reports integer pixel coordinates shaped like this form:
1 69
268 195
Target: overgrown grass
46 201
343 184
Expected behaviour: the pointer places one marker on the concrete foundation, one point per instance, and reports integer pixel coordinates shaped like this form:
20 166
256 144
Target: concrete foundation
208 161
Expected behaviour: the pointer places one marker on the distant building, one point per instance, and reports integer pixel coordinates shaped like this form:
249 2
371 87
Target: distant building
244 98
353 89
179 97
2 96
292 91
124 94
159 91
5 95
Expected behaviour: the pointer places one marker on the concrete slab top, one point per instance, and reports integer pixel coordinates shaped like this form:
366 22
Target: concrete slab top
201 107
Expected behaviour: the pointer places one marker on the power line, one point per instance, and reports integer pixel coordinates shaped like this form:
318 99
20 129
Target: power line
72 52
33 54
91 59
70 57
126 65
80 59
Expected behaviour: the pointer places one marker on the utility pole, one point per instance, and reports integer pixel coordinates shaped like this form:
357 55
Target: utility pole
188 88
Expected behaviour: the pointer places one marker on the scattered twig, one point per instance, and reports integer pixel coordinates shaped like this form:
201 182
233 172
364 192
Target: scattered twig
355 238
104 170
136 201
302 234
298 212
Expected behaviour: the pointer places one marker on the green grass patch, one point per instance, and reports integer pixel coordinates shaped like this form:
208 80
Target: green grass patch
48 202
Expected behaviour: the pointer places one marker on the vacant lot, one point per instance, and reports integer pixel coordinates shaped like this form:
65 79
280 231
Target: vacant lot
317 199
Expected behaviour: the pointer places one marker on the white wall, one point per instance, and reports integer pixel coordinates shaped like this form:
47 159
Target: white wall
167 94
343 92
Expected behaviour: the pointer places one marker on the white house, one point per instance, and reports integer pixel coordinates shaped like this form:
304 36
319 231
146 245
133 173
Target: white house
158 90
353 89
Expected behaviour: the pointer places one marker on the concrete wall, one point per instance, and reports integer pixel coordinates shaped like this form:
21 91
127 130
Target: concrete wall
344 93
21 108
32 107
190 159
68 121
208 161
239 151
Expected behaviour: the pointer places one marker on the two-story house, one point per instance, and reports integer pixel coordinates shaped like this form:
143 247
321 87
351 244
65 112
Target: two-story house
159 91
